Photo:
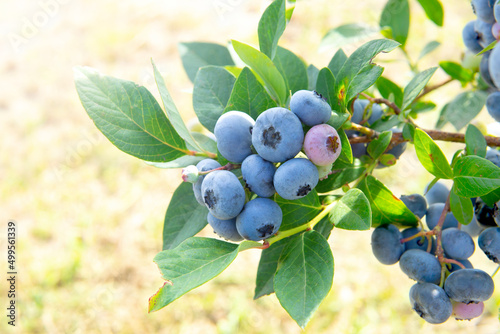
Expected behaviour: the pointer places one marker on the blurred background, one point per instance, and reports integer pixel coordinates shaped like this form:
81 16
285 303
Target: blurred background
90 217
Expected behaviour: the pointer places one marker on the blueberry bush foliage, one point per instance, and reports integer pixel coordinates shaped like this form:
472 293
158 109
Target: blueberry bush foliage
294 155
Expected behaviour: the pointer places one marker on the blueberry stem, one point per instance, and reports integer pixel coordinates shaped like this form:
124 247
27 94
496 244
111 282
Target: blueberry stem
496 271
228 166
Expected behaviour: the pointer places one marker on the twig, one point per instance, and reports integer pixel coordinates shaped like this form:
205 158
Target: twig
429 89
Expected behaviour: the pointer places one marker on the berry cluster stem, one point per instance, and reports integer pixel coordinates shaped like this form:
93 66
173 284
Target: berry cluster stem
228 166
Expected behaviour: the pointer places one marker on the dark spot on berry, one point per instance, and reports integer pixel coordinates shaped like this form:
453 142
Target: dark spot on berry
420 242
419 311
250 129
210 199
332 143
265 230
304 190
247 185
319 95
271 137
492 257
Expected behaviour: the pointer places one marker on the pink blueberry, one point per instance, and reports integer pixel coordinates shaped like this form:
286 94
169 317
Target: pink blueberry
462 311
322 145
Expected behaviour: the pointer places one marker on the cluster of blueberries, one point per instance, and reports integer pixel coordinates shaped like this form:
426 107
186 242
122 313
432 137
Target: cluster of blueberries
477 35
465 289
269 150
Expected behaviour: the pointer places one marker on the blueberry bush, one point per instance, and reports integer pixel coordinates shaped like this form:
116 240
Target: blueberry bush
291 151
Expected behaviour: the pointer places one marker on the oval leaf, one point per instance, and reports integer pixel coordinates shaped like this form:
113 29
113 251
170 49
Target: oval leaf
475 176
271 26
461 207
430 156
416 85
352 212
475 144
298 212
198 54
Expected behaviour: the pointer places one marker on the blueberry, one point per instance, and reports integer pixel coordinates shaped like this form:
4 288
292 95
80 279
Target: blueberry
437 194
434 212
416 203
493 105
486 216
419 242
362 113
420 266
484 69
310 107
260 219
483 10
430 302
483 30
454 267
494 62
233 131
496 12
358 150
258 175
469 286
489 242
493 156
224 228
457 244
295 178
223 194
462 311
277 135
471 38
322 145
386 244
203 166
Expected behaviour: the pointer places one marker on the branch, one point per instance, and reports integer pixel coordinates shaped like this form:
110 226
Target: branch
429 89
380 100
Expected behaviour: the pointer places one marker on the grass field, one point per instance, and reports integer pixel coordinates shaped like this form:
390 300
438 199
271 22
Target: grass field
90 217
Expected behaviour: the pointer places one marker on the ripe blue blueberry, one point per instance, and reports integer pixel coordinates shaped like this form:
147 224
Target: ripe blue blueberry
473 228
363 113
322 145
457 244
493 156
493 105
233 131
486 216
469 286
483 30
203 166
484 69
437 194
496 12
416 203
420 266
295 178
224 228
483 10
419 242
489 242
434 212
223 194
277 135
310 107
386 244
471 38
260 219
430 302
258 175
494 62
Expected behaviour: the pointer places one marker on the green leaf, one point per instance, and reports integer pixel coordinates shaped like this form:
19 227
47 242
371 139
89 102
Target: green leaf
475 144
364 80
265 68
312 75
212 88
352 212
197 54
181 162
457 72
338 119
408 131
292 68
378 146
475 176
386 208
249 96
189 265
129 116
461 207
326 86
184 217
430 156
337 62
267 267
346 34
342 173
428 48
206 143
324 227
172 112
421 106
356 63
434 11
488 48
387 88
463 109
298 212
304 276
491 198
416 85
346 154
271 26
396 15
